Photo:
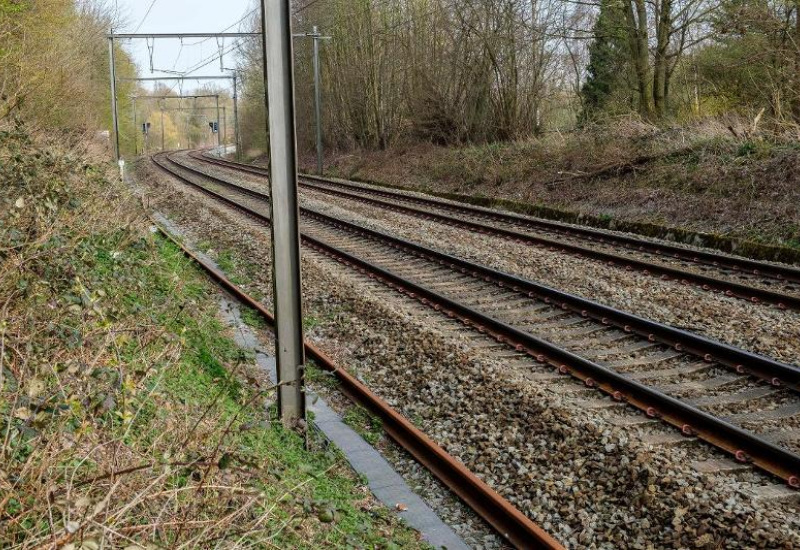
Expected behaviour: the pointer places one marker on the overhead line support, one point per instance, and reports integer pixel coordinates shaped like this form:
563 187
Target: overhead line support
317 37
278 56
160 97
113 76
156 36
187 77
234 78
236 116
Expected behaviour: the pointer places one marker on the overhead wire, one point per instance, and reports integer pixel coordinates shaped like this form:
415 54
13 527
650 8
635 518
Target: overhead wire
226 29
153 3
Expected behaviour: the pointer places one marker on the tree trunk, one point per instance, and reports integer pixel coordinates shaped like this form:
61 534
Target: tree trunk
796 99
660 60
638 38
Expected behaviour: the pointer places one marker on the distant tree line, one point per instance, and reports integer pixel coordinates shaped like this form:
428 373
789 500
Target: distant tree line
674 57
474 71
54 64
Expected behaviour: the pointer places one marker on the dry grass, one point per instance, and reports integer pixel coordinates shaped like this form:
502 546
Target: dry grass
127 418
730 177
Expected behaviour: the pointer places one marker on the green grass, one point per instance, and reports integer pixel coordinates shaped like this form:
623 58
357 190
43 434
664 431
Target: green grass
330 495
310 323
122 365
253 318
368 426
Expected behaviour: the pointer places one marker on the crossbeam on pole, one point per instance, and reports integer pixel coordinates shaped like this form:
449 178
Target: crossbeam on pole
156 36
176 78
173 96
189 109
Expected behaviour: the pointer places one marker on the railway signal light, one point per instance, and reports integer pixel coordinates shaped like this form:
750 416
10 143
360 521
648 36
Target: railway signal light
145 128
214 127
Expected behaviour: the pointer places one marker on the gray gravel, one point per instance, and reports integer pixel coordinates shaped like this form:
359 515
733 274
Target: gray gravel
752 327
590 482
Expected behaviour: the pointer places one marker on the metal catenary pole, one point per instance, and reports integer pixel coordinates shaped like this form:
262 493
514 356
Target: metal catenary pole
317 37
135 130
318 102
236 117
113 75
224 126
188 133
162 126
219 125
278 72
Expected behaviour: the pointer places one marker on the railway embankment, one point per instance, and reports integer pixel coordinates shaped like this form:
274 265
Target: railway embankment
698 185
127 412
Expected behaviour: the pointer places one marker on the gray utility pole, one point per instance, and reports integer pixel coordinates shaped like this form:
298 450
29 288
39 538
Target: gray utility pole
219 136
135 130
276 16
162 126
318 101
113 71
316 37
236 116
224 126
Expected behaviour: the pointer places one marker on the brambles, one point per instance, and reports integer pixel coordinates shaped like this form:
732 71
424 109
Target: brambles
127 418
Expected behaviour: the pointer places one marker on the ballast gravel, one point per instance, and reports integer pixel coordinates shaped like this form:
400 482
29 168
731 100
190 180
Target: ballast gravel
591 483
757 328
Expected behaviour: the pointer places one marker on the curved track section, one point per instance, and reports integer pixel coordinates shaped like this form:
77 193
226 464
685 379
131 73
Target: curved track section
515 527
757 282
740 402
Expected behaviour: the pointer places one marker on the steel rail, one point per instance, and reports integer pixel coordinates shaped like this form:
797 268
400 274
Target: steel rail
735 359
730 288
692 422
507 520
707 283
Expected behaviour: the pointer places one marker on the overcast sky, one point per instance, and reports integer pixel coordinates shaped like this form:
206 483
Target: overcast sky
180 16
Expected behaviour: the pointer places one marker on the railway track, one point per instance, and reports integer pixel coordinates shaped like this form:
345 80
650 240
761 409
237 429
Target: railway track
742 403
742 278
498 512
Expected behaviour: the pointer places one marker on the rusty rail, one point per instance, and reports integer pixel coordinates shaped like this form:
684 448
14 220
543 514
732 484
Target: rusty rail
507 520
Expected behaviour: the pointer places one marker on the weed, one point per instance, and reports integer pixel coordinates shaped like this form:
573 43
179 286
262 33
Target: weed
253 318
310 323
368 426
125 414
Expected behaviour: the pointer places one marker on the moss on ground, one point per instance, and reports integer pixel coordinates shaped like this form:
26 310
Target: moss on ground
127 417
